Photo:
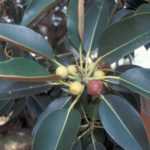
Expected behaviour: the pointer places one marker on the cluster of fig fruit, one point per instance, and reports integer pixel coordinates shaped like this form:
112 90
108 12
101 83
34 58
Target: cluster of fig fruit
94 86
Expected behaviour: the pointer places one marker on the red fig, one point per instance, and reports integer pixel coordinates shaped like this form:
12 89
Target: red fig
95 87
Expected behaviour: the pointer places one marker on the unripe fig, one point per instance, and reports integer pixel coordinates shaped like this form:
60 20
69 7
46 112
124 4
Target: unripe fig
99 73
62 71
72 68
76 88
90 66
95 87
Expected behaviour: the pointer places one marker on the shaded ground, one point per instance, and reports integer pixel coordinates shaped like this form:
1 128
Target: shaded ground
15 141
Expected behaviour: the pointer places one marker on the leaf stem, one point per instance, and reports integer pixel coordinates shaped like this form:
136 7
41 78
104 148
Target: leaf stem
104 77
86 65
83 134
80 51
64 83
75 101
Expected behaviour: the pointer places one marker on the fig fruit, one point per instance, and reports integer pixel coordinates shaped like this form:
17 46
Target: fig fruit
62 71
95 87
76 88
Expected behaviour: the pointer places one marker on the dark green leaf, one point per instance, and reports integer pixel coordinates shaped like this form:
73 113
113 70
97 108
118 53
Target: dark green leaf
18 107
61 103
77 145
72 23
5 106
20 13
115 84
22 69
132 98
83 102
92 110
26 39
144 8
27 2
137 80
123 123
1 14
85 143
96 146
56 92
15 51
14 89
2 54
59 130
100 135
120 14
36 9
64 61
94 26
70 47
88 5
38 103
135 32
13 9
111 4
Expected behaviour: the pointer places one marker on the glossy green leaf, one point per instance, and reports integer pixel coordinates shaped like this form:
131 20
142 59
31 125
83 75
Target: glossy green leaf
96 146
38 103
94 26
144 8
85 143
120 14
135 32
59 130
2 54
83 102
36 9
137 80
5 106
22 69
18 107
115 84
72 23
92 110
13 89
77 145
123 123
26 39
61 103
